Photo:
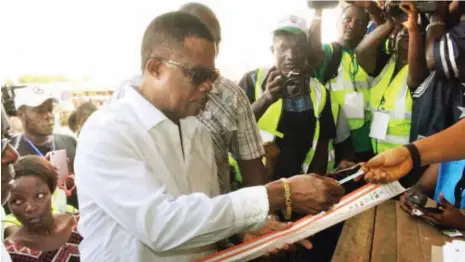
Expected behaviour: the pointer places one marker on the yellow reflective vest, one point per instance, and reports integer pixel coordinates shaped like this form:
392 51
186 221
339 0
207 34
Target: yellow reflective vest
270 119
392 97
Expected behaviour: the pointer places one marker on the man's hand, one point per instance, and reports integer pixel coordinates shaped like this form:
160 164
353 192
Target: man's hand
450 216
412 12
311 194
274 85
388 166
273 225
345 164
405 204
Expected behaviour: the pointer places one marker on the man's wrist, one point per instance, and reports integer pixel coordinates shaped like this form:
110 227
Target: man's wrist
276 198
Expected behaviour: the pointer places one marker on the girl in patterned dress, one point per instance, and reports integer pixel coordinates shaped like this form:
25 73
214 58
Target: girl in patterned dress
42 236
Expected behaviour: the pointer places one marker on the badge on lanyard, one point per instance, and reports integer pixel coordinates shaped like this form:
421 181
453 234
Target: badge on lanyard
379 125
354 105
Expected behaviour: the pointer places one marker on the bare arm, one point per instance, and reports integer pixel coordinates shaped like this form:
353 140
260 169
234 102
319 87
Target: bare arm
253 172
260 106
444 146
367 50
376 14
316 54
434 33
416 60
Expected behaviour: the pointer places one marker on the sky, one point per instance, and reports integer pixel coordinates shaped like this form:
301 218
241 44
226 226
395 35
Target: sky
101 38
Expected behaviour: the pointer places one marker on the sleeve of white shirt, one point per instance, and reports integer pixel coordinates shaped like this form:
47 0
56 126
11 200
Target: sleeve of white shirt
111 171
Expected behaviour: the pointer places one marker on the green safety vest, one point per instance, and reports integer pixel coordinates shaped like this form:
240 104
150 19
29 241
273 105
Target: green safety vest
270 119
397 103
343 84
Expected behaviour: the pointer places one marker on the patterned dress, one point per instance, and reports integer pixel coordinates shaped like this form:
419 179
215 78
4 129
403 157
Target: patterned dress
67 253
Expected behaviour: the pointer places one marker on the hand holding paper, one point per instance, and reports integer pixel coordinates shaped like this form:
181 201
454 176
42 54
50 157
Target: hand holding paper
388 166
311 194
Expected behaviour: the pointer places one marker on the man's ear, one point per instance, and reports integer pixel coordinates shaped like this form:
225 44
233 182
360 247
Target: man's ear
153 67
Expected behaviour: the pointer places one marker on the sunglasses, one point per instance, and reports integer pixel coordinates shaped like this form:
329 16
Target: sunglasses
198 75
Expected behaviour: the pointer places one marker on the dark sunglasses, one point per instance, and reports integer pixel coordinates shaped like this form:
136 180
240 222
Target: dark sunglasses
198 75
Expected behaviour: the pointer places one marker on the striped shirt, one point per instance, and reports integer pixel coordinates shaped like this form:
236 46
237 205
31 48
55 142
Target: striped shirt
231 122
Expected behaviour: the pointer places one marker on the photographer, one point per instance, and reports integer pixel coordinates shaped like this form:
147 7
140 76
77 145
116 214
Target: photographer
405 70
337 67
295 108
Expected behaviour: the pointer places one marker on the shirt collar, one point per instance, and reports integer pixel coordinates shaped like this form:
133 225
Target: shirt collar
147 113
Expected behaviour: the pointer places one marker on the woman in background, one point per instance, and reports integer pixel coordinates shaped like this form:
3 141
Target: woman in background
42 236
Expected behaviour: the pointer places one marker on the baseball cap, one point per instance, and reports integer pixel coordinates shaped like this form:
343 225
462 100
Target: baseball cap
292 24
32 96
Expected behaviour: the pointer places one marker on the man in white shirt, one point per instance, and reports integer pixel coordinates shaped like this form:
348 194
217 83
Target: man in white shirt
145 170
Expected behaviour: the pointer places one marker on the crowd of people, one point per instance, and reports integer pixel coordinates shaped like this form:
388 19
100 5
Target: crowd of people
183 162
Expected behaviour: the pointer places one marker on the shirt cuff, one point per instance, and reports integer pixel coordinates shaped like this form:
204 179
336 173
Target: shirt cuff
251 207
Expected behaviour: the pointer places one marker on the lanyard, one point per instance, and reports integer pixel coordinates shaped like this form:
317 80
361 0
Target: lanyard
353 70
36 150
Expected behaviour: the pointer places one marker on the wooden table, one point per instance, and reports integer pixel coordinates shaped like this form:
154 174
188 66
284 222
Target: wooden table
387 233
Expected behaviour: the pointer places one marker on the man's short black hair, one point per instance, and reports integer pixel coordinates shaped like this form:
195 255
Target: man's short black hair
72 121
167 32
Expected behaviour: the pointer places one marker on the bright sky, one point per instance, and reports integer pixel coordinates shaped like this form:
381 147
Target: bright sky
101 38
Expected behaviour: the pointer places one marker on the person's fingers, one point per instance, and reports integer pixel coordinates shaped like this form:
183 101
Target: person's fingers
444 201
306 244
432 217
375 162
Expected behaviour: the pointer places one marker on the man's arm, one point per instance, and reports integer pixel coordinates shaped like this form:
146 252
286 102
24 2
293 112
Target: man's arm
393 164
367 50
137 200
247 145
435 31
315 53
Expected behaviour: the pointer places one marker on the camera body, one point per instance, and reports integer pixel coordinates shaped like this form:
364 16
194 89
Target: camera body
393 10
293 85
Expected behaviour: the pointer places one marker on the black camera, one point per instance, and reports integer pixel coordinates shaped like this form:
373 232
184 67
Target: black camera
393 10
293 85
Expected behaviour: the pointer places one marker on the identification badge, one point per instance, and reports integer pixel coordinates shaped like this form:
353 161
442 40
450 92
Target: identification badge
354 105
379 125
266 136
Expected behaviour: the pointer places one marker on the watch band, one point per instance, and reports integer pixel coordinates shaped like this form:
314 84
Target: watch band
415 155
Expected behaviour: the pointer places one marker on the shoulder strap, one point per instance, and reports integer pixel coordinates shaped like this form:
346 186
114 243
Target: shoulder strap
334 62
259 80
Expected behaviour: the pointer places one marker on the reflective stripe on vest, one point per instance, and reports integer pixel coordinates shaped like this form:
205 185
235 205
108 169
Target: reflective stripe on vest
270 119
331 152
397 104
343 84
237 170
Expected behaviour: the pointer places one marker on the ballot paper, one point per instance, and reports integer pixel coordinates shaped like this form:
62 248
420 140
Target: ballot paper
352 204
454 251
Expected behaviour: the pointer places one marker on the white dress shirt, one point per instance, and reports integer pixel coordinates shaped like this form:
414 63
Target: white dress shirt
141 200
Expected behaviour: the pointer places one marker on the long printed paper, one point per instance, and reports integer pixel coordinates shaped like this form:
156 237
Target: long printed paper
352 204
